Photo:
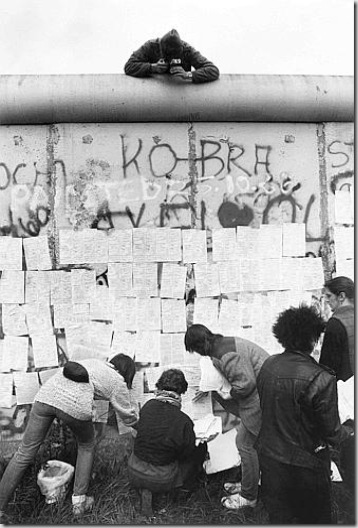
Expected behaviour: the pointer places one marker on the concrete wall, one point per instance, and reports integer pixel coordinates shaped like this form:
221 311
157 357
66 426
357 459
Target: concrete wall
202 175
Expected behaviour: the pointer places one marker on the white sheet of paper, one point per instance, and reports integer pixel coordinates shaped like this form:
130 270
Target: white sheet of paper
37 286
313 276
120 279
83 283
172 349
145 279
15 353
199 408
293 240
223 453
47 374
123 343
270 241
194 246
37 254
61 287
147 347
229 317
100 411
120 245
144 244
206 312
45 350
344 242
173 315
224 244
10 253
14 320
167 245
26 387
229 276
101 306
345 267
346 399
38 318
247 242
12 287
148 314
207 279
6 383
68 314
125 318
173 281
344 207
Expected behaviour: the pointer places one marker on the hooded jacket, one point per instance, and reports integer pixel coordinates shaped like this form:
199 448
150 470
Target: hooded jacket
170 46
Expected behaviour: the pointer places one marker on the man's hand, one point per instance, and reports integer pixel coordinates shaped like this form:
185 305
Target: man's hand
160 67
178 72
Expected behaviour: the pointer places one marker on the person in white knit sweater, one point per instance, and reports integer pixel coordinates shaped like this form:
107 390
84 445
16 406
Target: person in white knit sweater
69 396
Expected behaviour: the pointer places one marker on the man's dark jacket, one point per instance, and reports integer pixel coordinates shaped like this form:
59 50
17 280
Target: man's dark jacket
139 63
298 399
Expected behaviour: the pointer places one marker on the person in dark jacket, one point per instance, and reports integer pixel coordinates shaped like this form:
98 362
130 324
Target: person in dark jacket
170 54
164 454
239 360
337 350
300 422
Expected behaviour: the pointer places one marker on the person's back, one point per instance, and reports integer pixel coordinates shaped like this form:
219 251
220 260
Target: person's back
164 433
292 386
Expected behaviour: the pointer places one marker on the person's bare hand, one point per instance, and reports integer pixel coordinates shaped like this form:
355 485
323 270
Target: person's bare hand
160 67
178 72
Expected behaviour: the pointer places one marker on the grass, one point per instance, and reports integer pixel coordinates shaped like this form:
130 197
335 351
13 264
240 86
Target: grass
117 503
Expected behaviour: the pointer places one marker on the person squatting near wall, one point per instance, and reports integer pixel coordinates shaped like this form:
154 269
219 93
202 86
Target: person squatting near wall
68 396
165 455
300 422
170 54
240 361
338 353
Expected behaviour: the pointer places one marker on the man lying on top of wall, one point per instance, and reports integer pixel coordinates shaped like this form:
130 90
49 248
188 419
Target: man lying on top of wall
172 55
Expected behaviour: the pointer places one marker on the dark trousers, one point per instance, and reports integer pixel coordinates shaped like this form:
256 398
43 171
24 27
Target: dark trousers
295 495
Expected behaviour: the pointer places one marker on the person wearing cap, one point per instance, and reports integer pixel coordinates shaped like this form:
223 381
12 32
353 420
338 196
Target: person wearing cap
170 54
69 396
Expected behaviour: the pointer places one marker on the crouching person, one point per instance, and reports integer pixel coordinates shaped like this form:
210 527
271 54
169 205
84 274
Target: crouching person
69 396
164 454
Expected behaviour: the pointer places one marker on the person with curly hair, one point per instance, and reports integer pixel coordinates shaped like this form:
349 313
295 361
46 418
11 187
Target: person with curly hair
164 455
337 350
239 361
300 422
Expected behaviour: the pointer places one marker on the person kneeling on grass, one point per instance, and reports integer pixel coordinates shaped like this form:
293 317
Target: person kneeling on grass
69 396
164 454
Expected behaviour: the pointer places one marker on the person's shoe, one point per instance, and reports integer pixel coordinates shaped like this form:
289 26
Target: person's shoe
232 487
81 504
237 501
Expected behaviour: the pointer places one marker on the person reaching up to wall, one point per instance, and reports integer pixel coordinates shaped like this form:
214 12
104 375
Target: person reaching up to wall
170 54
239 361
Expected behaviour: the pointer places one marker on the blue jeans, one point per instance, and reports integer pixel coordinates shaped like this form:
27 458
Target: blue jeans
249 462
40 420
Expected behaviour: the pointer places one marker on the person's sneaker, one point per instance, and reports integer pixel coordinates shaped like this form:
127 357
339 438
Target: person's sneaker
237 501
81 504
232 487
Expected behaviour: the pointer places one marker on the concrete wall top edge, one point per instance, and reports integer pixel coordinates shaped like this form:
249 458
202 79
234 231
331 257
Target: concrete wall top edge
46 99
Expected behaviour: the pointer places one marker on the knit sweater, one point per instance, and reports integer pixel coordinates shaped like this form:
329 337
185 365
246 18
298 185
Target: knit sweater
76 399
164 434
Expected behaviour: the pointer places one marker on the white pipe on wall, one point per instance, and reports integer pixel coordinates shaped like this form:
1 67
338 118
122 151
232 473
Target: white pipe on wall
117 98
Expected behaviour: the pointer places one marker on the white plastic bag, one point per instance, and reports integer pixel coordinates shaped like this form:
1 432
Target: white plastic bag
53 480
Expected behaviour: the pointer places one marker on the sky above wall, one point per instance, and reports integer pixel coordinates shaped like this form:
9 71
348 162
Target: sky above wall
309 37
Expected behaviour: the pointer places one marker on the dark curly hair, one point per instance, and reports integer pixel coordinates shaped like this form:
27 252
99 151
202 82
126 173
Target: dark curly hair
172 380
125 366
299 328
341 284
198 338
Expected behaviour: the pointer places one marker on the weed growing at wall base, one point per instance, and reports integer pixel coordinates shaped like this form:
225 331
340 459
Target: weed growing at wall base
117 503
